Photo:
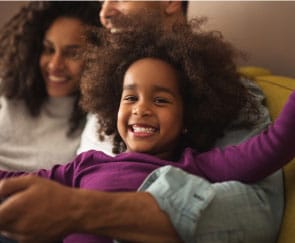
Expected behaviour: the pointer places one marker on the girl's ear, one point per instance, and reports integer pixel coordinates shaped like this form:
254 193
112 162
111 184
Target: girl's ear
173 7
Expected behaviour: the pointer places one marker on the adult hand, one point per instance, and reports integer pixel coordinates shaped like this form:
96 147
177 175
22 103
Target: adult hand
36 209
40 210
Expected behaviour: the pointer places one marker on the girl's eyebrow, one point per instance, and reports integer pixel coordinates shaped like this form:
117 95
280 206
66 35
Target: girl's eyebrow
159 88
156 88
129 86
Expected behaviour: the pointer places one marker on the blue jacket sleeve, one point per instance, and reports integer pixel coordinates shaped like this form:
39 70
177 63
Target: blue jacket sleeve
219 212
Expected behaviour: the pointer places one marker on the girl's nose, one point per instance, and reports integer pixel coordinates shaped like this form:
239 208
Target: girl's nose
141 110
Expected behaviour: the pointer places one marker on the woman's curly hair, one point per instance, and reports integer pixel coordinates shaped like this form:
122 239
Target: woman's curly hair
21 41
212 92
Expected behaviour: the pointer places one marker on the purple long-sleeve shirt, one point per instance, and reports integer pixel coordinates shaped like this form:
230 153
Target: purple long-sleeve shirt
250 161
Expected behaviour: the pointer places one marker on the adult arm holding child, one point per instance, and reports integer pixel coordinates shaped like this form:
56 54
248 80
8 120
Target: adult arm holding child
121 215
100 213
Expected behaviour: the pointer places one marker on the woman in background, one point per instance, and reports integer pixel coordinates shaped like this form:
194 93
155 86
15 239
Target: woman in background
40 69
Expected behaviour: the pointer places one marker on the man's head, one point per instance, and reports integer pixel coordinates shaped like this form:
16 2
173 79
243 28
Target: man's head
157 12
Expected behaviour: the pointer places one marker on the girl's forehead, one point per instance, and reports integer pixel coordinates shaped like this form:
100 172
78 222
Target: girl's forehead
153 68
147 72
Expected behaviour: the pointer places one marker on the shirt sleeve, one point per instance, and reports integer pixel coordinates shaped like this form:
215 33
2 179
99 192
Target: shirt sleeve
256 158
204 212
181 195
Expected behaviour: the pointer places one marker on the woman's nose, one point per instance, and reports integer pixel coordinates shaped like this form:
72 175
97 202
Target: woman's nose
56 62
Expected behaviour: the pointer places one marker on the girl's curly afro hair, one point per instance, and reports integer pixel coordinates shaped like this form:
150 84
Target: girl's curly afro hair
212 92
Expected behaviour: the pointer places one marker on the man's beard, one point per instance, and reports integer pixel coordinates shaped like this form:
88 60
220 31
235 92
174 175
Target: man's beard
138 24
126 23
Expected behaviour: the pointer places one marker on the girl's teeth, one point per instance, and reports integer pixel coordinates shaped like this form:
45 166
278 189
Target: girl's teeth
144 129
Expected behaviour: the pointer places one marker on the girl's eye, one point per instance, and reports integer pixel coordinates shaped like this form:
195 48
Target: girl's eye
160 100
130 98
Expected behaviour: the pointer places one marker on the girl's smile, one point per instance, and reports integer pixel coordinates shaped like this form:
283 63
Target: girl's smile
150 114
142 130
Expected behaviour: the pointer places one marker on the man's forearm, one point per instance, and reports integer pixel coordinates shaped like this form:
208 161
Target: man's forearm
36 204
124 216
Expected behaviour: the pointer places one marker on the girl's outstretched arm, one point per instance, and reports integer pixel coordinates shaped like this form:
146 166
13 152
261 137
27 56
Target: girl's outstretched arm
62 173
257 157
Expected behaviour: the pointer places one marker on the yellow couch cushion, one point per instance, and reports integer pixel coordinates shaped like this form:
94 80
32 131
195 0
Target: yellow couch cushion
277 89
252 71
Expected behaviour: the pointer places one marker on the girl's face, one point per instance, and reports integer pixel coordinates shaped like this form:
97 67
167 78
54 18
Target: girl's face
150 117
60 61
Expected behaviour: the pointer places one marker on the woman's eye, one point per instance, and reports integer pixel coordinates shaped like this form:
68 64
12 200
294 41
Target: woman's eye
47 50
73 53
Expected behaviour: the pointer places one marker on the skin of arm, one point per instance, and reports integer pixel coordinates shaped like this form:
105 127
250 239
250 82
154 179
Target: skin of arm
78 210
135 217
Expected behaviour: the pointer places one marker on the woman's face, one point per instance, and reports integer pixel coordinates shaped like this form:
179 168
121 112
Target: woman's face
60 61
150 117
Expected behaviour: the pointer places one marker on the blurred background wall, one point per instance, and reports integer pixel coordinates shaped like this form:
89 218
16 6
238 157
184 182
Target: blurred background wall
263 29
8 9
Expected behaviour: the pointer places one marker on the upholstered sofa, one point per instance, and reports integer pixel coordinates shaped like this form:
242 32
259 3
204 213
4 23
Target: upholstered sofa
277 89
